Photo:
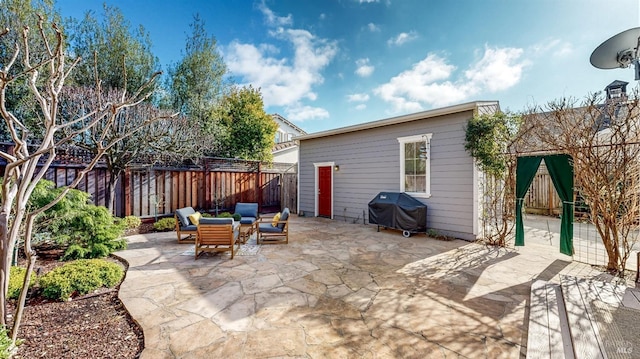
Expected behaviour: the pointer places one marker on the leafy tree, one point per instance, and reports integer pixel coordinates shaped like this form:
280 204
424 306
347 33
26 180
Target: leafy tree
197 83
45 71
126 60
250 129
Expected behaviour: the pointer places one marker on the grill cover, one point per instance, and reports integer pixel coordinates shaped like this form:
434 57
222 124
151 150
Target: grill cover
398 210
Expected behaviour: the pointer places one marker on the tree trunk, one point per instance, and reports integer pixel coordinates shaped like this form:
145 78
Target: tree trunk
111 195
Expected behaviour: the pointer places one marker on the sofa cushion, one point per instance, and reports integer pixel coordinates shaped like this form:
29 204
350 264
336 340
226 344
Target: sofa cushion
268 228
247 220
276 218
191 227
183 215
195 218
247 209
216 220
283 217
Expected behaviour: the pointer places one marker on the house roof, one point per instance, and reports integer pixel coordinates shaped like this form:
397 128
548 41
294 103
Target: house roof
283 146
470 106
617 83
284 120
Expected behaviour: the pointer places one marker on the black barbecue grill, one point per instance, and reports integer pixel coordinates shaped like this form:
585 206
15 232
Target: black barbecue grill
400 211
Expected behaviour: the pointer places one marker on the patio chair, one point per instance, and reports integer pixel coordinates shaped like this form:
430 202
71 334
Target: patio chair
248 212
217 235
248 217
184 225
275 230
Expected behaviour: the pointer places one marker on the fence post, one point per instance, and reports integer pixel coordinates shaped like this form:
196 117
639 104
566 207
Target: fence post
126 184
259 183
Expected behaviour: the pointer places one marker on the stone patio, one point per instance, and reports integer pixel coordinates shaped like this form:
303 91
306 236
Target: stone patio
338 290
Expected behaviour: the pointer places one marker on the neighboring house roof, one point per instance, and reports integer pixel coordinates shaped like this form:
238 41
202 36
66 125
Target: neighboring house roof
284 120
283 146
480 106
617 83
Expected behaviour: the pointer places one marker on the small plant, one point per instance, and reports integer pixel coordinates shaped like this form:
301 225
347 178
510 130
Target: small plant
165 224
206 215
80 277
236 216
6 346
131 222
432 233
16 279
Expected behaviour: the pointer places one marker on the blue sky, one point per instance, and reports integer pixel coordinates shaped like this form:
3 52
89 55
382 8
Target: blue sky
324 64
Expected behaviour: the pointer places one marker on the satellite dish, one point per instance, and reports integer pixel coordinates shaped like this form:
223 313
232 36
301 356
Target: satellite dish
620 51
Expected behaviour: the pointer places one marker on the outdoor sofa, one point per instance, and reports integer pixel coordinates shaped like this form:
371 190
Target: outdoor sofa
217 235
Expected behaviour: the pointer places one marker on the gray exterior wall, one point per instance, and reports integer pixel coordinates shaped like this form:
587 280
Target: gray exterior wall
369 163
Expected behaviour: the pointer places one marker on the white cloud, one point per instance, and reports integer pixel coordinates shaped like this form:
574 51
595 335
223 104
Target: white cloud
272 19
498 69
358 97
283 81
367 1
402 38
373 27
361 107
429 81
364 69
299 112
553 47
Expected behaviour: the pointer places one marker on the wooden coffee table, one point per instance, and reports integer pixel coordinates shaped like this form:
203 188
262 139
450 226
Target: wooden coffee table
246 230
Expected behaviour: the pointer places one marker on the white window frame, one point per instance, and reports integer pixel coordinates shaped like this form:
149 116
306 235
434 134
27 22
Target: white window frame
416 138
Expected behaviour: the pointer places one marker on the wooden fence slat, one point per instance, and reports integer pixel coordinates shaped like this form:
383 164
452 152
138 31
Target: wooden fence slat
205 189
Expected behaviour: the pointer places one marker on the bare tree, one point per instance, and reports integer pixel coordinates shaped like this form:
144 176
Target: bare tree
34 151
604 142
141 133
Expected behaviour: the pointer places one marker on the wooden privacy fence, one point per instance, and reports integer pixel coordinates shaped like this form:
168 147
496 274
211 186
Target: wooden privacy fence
215 185
158 192
542 198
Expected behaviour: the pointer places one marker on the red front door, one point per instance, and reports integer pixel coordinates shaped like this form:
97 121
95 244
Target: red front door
324 191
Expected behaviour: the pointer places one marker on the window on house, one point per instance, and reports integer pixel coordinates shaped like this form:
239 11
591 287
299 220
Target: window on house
415 156
278 137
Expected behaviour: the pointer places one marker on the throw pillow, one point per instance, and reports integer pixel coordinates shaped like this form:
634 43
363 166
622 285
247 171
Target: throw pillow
276 218
195 218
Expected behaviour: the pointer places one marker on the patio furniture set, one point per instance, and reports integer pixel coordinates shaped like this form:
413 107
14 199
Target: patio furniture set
226 234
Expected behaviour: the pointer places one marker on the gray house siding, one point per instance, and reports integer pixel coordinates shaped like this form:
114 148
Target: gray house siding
369 161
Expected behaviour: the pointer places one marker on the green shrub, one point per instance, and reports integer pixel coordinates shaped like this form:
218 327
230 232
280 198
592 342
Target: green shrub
76 223
206 215
16 279
165 224
235 216
131 222
80 277
6 345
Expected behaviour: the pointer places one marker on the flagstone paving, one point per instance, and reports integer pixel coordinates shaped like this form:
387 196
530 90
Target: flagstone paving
338 290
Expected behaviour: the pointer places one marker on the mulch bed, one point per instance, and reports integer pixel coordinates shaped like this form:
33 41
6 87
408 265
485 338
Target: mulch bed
96 325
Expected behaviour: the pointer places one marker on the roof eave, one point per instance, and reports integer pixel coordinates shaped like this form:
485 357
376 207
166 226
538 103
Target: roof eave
469 106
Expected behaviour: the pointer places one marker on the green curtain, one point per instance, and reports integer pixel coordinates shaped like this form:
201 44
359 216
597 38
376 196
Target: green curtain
561 171
526 169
